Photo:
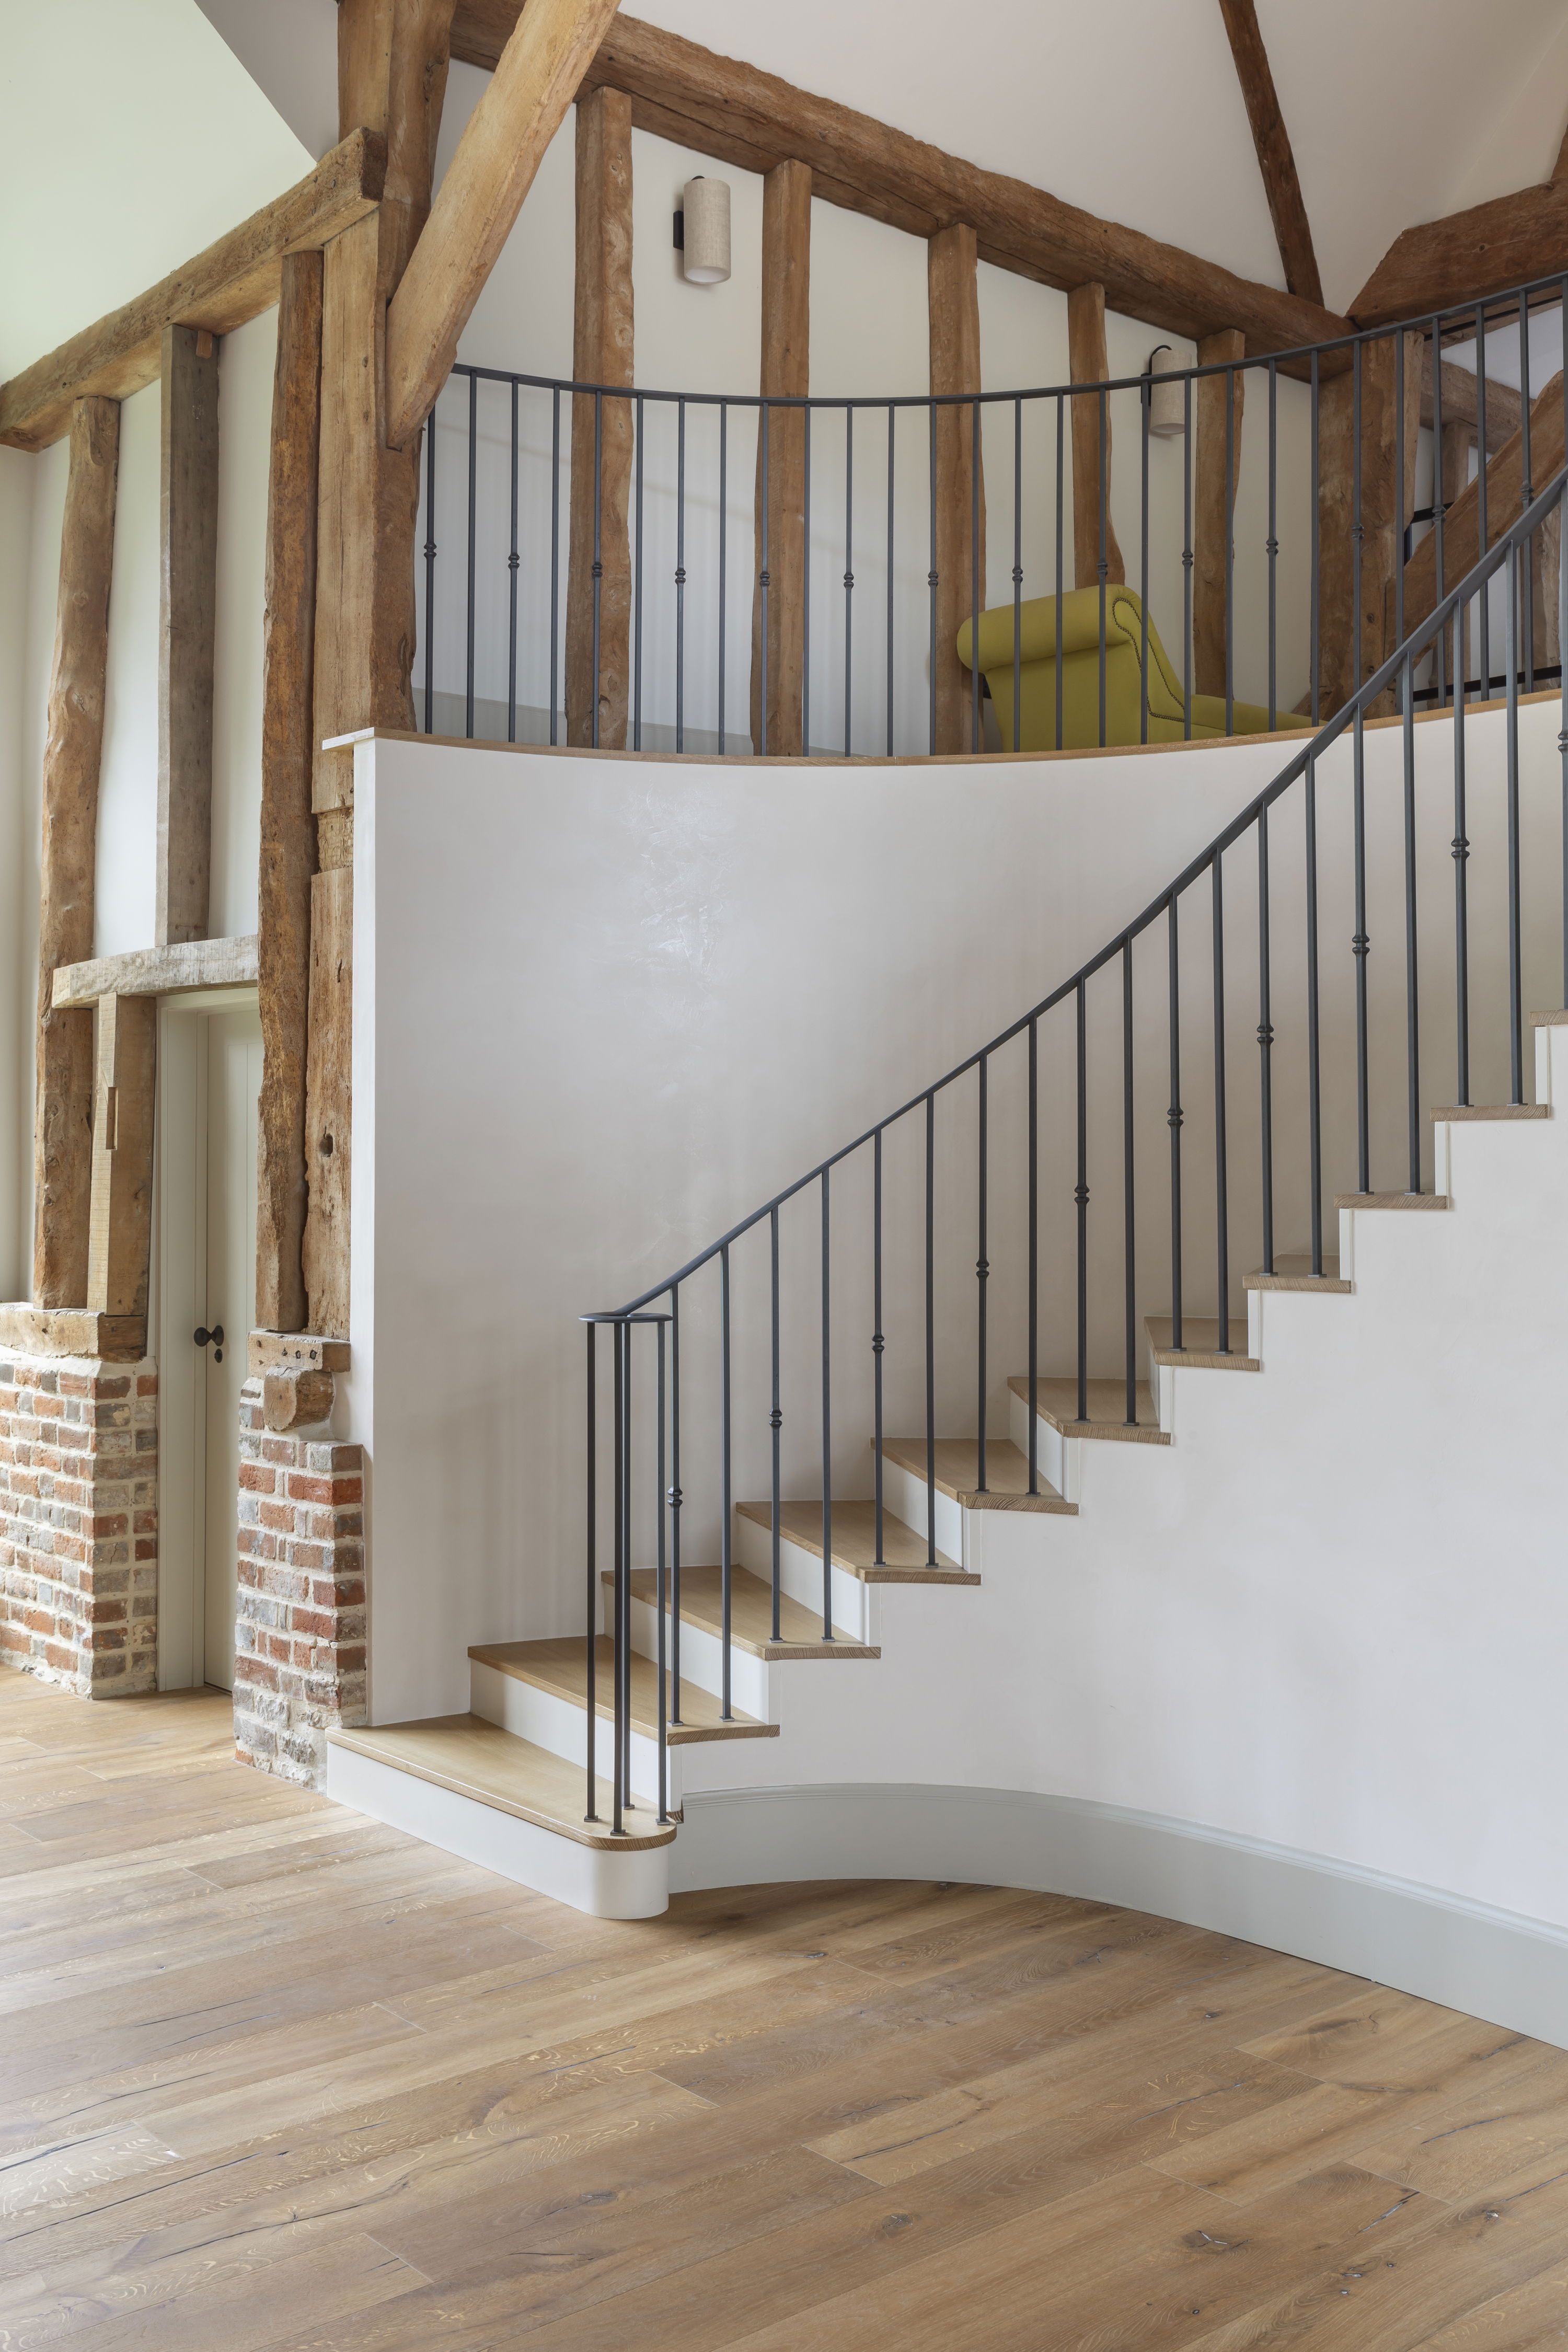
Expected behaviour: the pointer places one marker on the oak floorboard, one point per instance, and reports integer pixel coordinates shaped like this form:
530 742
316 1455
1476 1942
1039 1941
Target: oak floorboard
275 2078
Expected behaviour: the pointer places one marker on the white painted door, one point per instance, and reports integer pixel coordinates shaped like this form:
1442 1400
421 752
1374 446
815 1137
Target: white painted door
233 1086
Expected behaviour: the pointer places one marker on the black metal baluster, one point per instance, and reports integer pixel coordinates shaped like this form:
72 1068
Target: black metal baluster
680 576
473 510
1517 556
976 742
1221 1155
637 591
723 553
891 415
1317 542
1526 497
624 1582
805 595
878 1342
1034 1255
1273 543
555 557
1360 946
827 1420
1017 577
1439 511
930 1330
727 1499
775 1423
1128 1262
1173 1119
1314 1064
1144 406
1483 619
763 584
1400 541
931 574
1412 964
1060 428
598 548
848 575
1080 1195
982 1265
512 562
675 1499
1461 851
618 1765
660 1577
1265 1044
1358 663
1188 559
1230 550
430 576
593 1593
1102 562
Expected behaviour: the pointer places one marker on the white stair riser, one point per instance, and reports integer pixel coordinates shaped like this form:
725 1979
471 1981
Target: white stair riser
905 1495
701 1660
1055 1456
552 1722
800 1575
628 1885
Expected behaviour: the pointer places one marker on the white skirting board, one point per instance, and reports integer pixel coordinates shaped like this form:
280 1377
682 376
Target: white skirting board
1496 1965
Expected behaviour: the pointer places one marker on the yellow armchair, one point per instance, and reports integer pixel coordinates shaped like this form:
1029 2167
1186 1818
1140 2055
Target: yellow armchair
1124 625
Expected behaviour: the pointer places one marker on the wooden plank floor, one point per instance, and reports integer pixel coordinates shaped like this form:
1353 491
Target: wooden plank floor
274 2078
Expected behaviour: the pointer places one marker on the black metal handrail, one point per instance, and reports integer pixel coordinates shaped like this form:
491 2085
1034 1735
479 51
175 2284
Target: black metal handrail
1505 558
632 575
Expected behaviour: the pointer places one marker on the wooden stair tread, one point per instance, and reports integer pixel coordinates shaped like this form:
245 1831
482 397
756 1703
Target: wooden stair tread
904 1558
1055 1401
750 1615
478 1760
958 1471
1199 1350
561 1667
1296 1274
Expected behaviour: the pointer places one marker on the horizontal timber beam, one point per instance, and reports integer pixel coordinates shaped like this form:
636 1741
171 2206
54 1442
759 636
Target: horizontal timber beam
1467 256
233 281
157 971
755 121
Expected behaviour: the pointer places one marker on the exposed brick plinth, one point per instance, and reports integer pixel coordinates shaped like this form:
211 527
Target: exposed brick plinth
298 1635
79 1523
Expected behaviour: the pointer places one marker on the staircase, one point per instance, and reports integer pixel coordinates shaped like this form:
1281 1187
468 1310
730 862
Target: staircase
765 1668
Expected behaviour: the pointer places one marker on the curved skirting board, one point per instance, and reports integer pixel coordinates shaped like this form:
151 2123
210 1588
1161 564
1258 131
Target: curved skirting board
1496 1965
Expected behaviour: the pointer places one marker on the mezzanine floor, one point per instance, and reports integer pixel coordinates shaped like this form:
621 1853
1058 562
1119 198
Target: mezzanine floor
274 2078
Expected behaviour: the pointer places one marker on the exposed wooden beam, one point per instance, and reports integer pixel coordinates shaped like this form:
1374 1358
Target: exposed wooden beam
1216 467
1559 169
602 352
157 971
1462 401
755 119
187 606
73 1331
1275 161
62 1134
288 827
786 373
231 281
535 79
954 299
1471 254
393 56
1504 482
1088 362
120 1246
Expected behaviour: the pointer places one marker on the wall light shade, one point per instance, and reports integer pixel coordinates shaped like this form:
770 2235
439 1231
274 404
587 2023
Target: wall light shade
707 245
1167 394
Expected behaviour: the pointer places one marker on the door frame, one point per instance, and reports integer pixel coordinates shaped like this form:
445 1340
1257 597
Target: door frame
177 1303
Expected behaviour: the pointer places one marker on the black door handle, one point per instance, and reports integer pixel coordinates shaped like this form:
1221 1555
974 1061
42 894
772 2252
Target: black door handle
202 1335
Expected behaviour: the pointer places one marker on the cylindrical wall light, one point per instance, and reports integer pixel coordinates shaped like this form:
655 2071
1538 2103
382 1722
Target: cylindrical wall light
1167 394
703 231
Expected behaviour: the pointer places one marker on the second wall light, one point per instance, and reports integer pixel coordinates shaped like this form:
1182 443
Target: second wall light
702 231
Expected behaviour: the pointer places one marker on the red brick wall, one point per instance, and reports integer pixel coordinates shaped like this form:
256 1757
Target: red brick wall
79 1523
299 1627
